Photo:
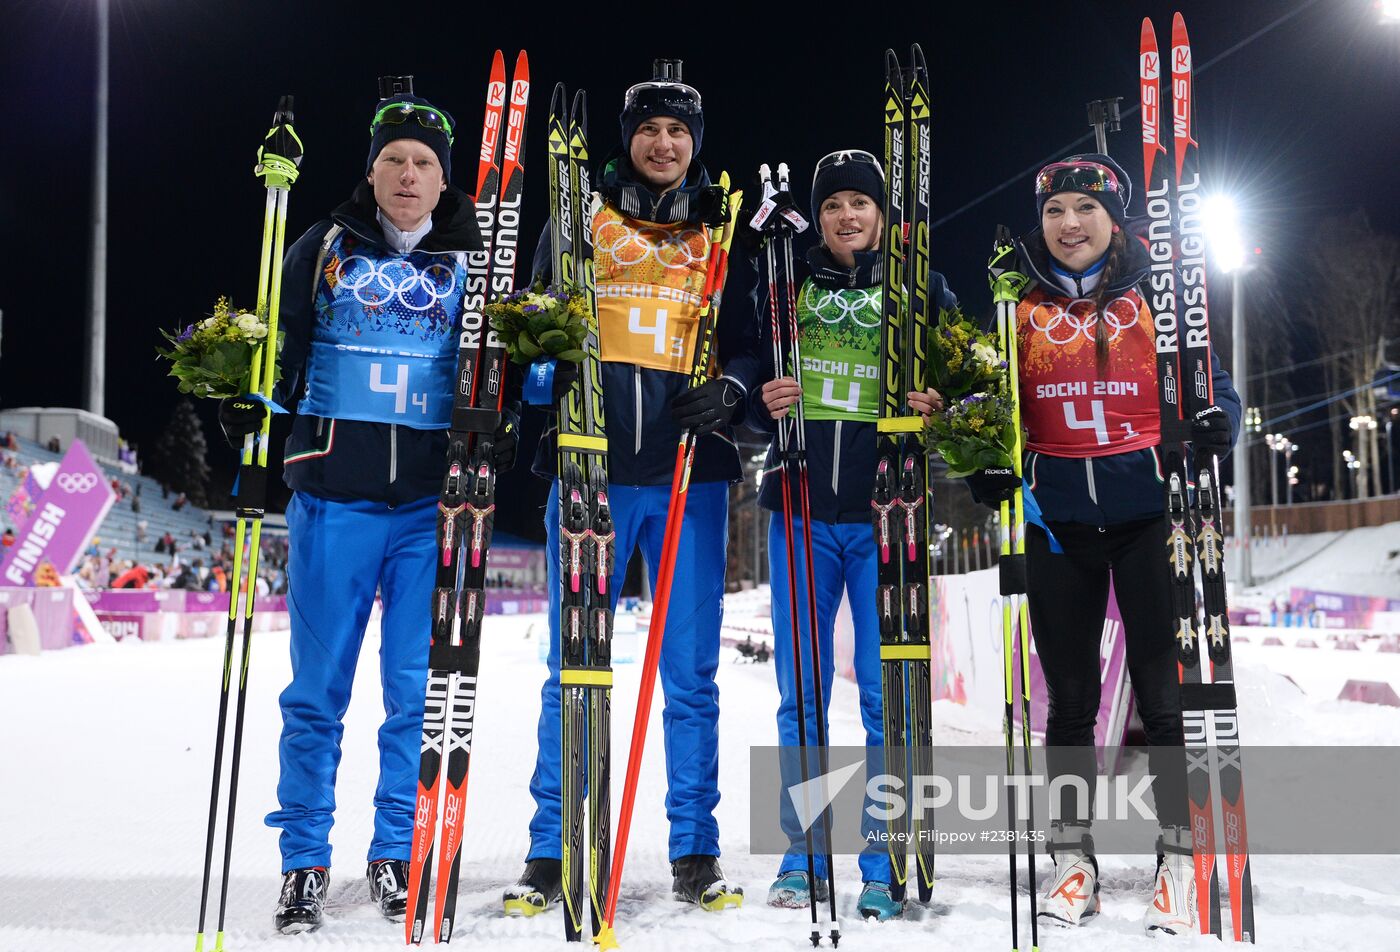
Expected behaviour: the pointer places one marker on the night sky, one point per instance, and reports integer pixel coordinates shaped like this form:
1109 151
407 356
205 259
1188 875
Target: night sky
1301 123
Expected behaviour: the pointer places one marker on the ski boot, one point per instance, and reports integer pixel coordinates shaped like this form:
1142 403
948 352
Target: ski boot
1173 910
698 879
877 903
1073 896
539 886
388 887
792 890
303 900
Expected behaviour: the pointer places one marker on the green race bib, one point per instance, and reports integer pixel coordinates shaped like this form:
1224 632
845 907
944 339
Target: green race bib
840 352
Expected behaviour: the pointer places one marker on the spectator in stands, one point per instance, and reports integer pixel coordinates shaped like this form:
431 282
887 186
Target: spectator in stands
8 539
196 540
179 502
46 576
141 526
135 577
169 541
55 445
11 442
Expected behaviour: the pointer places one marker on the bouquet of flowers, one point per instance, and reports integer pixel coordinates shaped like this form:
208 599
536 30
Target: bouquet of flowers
975 430
213 357
541 321
962 359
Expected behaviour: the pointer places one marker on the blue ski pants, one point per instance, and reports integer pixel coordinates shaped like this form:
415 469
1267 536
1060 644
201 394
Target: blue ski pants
843 559
340 553
689 660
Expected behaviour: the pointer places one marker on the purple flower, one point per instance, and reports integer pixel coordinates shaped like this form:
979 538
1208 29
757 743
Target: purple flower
529 309
186 334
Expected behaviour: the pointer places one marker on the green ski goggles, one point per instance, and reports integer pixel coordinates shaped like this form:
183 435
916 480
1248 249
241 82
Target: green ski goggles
397 113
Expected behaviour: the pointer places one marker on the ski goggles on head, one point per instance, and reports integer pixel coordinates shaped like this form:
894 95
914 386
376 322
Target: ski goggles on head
1076 177
841 157
661 98
397 113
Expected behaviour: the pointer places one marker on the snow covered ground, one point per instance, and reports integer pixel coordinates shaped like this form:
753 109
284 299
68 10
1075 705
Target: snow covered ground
105 756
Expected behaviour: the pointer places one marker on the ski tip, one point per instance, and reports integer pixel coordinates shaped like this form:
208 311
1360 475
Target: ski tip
916 56
557 98
891 63
1148 33
606 938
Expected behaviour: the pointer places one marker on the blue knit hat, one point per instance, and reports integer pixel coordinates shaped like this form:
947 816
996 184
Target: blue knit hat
411 117
850 169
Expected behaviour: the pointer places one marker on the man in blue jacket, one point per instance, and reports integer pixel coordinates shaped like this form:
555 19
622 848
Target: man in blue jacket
372 300
650 252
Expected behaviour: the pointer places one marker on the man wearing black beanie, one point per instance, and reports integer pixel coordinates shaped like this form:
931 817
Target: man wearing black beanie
650 252
373 299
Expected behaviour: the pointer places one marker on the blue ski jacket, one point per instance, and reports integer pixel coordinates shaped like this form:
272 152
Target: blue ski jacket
334 456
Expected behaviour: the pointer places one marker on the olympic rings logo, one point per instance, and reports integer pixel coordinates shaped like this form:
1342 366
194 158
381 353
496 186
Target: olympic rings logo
861 307
632 246
374 284
77 482
1061 325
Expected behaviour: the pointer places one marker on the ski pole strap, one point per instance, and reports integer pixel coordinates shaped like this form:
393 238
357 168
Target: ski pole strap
539 383
903 424
272 405
280 154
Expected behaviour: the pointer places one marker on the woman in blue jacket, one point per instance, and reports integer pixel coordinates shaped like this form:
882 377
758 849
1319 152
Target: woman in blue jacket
839 311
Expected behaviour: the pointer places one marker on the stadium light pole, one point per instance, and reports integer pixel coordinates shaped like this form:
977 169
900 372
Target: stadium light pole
1221 222
95 384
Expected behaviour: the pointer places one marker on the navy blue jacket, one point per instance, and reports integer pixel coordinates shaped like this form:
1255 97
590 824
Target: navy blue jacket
1123 487
642 439
352 459
840 453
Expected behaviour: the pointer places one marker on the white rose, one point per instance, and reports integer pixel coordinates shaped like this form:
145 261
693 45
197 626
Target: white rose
986 354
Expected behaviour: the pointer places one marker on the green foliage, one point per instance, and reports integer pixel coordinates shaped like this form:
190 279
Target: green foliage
541 321
214 357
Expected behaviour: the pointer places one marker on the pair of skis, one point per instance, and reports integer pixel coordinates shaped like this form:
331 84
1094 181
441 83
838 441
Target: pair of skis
466 507
1176 245
902 496
278 161
778 225
586 540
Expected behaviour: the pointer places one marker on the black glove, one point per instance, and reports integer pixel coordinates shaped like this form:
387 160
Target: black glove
239 416
565 373
709 407
1210 432
504 445
712 205
992 487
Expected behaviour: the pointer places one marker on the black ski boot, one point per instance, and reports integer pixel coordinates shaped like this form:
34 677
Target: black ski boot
388 887
698 879
302 901
539 886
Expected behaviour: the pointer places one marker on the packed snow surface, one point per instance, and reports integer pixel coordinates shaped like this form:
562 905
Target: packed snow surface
105 757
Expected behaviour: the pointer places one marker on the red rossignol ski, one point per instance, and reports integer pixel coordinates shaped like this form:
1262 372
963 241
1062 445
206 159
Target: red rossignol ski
466 510
1177 285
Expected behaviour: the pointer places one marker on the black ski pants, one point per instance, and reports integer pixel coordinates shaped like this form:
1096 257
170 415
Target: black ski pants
1068 594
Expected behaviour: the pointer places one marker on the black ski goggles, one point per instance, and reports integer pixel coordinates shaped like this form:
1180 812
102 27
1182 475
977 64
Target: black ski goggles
397 113
660 98
1076 177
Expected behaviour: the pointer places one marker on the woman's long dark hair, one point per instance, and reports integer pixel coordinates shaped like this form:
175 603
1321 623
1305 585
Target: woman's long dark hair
1113 266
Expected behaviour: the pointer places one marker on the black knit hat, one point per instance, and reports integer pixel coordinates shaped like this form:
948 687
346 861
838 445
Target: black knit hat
848 169
411 117
1093 174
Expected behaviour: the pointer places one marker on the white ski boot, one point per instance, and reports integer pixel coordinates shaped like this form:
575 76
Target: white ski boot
1073 896
1173 910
